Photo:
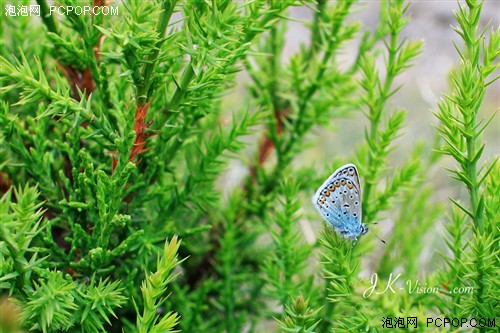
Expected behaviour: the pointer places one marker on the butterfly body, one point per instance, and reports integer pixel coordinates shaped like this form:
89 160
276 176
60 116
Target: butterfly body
338 200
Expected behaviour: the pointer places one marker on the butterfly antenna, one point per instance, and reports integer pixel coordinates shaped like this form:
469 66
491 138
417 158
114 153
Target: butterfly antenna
380 239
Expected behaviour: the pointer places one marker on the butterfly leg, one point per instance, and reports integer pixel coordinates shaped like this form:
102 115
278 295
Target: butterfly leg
342 232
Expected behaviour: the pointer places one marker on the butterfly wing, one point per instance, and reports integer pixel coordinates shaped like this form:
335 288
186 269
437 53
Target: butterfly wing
338 200
350 172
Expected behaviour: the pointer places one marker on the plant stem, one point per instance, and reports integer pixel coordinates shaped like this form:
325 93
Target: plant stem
167 8
47 19
375 118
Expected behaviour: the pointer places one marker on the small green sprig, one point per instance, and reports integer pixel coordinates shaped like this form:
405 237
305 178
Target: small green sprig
153 289
21 216
340 268
51 303
299 318
287 261
97 302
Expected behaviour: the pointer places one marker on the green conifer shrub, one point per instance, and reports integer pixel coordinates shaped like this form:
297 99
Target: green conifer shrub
135 198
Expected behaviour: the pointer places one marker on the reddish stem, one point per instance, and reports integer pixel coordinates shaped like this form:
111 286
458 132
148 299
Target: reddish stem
140 128
5 183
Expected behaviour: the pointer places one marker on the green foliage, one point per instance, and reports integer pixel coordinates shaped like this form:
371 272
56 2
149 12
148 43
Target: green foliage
473 231
119 136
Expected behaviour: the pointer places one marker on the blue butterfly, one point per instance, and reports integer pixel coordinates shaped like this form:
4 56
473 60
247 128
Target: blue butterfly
338 200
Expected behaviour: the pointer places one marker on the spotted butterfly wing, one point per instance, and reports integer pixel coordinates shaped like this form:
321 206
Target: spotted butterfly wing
338 200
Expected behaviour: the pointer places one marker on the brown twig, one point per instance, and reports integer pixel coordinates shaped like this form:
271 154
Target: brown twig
78 80
5 183
141 135
140 128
